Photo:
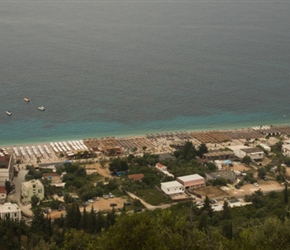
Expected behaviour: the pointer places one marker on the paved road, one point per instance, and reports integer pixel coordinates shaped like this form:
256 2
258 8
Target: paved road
16 197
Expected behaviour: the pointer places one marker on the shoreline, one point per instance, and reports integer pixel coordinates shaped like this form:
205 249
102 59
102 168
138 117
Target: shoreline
39 141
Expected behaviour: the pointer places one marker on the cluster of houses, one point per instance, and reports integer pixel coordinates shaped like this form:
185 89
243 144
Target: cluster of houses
219 157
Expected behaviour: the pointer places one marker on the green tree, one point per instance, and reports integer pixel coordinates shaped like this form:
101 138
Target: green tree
207 207
73 216
203 222
92 221
226 213
262 172
285 194
228 229
100 222
187 153
85 221
202 150
34 201
111 217
78 240
8 187
247 160
117 165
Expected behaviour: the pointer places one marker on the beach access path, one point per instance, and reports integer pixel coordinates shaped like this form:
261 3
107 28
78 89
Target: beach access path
16 197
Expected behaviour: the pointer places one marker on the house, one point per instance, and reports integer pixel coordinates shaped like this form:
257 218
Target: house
11 211
136 177
163 169
31 188
2 194
6 168
193 181
160 167
172 188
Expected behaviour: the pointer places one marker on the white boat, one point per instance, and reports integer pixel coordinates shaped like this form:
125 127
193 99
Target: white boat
26 99
8 113
41 108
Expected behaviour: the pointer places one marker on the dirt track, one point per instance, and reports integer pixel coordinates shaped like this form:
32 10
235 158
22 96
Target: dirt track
104 171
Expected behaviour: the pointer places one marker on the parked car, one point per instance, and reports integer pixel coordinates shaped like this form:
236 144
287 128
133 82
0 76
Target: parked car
237 186
91 201
256 184
113 204
264 178
127 203
111 195
106 196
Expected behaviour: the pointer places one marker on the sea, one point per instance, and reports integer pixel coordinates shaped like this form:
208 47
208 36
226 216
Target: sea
132 67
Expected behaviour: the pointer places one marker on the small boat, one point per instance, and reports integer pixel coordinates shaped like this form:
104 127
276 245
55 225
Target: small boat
26 99
41 108
8 113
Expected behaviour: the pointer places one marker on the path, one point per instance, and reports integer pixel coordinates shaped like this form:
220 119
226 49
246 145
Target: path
16 197
147 205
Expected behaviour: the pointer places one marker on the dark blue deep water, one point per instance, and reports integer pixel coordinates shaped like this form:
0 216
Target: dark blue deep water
104 68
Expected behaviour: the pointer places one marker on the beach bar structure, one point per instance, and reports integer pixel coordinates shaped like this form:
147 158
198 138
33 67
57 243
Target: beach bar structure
193 181
172 188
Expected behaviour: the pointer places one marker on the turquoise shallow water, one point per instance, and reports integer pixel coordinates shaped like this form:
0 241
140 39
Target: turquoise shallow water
116 68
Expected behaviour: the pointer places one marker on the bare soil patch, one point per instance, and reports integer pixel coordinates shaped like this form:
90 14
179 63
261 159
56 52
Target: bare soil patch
100 205
211 192
247 189
104 204
104 171
240 167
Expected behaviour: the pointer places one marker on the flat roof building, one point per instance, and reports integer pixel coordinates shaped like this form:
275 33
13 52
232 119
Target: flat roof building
11 211
255 153
219 155
172 188
193 181
31 188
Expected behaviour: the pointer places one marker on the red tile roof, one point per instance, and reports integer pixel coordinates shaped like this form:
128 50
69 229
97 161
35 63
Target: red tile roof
2 190
159 165
136 177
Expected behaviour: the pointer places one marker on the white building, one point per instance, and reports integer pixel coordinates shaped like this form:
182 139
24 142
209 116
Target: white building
241 151
160 167
6 169
286 149
172 188
11 211
254 153
266 147
30 188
